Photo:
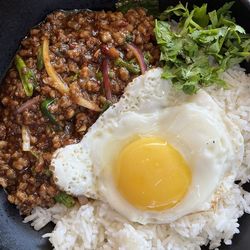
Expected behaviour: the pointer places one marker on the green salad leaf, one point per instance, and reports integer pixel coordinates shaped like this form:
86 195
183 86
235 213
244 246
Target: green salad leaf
196 46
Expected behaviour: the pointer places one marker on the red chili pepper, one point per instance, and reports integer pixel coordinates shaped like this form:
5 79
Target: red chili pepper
139 57
106 80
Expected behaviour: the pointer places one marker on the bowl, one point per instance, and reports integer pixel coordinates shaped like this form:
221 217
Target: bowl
16 19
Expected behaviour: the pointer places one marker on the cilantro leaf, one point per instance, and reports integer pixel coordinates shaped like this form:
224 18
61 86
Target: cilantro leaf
178 10
200 15
65 199
225 10
200 46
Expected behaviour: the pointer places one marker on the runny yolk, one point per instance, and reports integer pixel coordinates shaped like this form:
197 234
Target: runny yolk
151 175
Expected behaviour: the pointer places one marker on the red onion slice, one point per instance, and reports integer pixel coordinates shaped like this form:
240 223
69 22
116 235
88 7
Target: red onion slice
28 104
139 57
106 80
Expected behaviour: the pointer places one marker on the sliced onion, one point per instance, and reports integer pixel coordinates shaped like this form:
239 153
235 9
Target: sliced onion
77 98
58 82
86 104
139 57
106 80
25 138
28 104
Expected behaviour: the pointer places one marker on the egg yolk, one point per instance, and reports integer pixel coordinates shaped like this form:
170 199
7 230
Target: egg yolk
151 175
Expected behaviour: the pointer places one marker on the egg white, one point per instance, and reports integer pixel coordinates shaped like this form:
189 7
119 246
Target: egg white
210 143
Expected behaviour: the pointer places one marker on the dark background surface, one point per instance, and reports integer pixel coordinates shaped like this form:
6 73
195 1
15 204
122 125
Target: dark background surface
16 19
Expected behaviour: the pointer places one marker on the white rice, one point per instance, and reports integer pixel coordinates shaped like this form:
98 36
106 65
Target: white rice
97 226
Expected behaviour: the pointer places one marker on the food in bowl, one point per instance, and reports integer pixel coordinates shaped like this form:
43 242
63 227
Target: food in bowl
137 128
48 119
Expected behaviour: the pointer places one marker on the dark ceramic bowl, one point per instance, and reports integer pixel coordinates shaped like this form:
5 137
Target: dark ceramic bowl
246 3
16 19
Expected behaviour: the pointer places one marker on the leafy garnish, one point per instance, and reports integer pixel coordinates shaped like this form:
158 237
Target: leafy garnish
99 76
105 106
35 154
74 77
65 199
152 6
45 111
147 58
131 67
47 172
198 45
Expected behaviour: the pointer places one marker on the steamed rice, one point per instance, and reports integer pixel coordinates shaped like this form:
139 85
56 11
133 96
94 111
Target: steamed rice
97 226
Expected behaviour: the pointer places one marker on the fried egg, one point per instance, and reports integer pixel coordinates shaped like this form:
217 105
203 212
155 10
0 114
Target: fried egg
154 156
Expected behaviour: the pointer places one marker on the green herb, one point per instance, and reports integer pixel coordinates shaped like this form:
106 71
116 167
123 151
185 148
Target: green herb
99 76
131 67
200 46
147 58
151 5
27 76
45 111
74 77
65 199
40 63
111 74
105 106
35 154
47 172
129 38
33 170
